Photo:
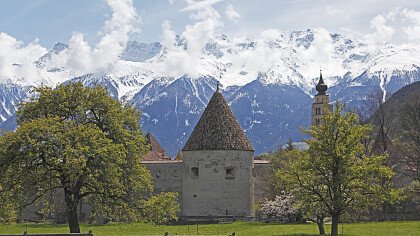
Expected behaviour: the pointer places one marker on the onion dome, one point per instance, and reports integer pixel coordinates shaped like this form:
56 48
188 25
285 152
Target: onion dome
321 87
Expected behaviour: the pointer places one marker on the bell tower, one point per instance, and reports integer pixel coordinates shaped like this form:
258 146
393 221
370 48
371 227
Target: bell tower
321 101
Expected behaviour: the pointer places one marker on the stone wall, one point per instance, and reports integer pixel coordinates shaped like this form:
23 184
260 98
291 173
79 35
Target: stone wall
261 175
222 184
215 194
167 175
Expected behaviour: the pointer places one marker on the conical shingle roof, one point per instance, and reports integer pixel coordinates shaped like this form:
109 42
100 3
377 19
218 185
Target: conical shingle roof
218 129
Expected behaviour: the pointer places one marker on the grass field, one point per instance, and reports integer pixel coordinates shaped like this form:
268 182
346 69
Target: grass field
406 228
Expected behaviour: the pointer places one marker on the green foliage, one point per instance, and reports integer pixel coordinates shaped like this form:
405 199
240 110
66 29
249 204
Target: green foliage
8 206
334 175
289 146
162 208
79 140
179 156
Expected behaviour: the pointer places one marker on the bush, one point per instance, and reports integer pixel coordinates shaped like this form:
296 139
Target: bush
282 209
162 208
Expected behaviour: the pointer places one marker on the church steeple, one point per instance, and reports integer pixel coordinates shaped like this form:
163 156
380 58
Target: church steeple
321 87
321 101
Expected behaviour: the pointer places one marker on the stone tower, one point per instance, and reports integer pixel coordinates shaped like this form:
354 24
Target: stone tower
218 166
321 101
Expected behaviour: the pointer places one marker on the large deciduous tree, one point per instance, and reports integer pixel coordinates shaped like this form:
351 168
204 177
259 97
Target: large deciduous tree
287 174
335 175
80 142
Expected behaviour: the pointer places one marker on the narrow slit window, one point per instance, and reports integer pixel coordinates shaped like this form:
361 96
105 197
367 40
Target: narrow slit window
230 173
194 172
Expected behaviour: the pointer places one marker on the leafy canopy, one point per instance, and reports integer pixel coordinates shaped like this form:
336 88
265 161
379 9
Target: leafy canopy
79 140
335 175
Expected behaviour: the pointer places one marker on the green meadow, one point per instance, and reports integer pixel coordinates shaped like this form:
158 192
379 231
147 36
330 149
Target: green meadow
405 228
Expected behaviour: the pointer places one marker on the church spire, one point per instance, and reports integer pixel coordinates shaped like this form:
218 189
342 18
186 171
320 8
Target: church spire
321 87
321 101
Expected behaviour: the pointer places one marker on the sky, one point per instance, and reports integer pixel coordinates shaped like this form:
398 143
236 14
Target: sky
49 21
97 30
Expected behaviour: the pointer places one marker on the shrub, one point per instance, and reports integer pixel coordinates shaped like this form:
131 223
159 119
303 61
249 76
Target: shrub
282 209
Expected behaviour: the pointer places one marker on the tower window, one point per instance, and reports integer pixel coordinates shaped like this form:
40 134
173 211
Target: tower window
230 173
194 172
158 174
318 111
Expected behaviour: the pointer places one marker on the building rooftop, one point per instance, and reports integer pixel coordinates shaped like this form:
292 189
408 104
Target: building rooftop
218 129
156 153
321 87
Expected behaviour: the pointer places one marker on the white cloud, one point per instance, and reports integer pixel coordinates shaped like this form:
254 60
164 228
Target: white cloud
185 59
336 12
321 54
231 13
17 60
412 31
81 58
383 32
199 5
401 23
271 35
178 61
184 53
261 57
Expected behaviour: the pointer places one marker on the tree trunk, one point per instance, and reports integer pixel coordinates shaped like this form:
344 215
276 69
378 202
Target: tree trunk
72 219
71 212
320 223
335 217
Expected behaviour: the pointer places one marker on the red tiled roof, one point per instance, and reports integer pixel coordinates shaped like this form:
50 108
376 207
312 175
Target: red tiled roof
156 153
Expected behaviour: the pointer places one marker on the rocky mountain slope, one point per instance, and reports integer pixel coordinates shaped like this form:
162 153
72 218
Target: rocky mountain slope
267 81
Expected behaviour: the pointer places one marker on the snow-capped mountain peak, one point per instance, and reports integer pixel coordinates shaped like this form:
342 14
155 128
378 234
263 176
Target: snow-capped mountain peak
268 80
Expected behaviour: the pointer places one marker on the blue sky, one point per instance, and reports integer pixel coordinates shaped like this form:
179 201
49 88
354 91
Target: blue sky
51 21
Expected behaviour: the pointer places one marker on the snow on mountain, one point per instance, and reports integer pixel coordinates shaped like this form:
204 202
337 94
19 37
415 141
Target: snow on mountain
292 59
140 52
172 107
10 97
268 80
58 47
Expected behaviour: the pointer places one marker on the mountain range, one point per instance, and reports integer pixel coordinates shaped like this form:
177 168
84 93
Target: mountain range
268 82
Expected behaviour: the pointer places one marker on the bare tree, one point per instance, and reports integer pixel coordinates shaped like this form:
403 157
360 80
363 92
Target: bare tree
409 141
382 119
376 111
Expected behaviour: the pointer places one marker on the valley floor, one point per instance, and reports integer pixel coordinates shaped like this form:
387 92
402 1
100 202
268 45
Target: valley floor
406 228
